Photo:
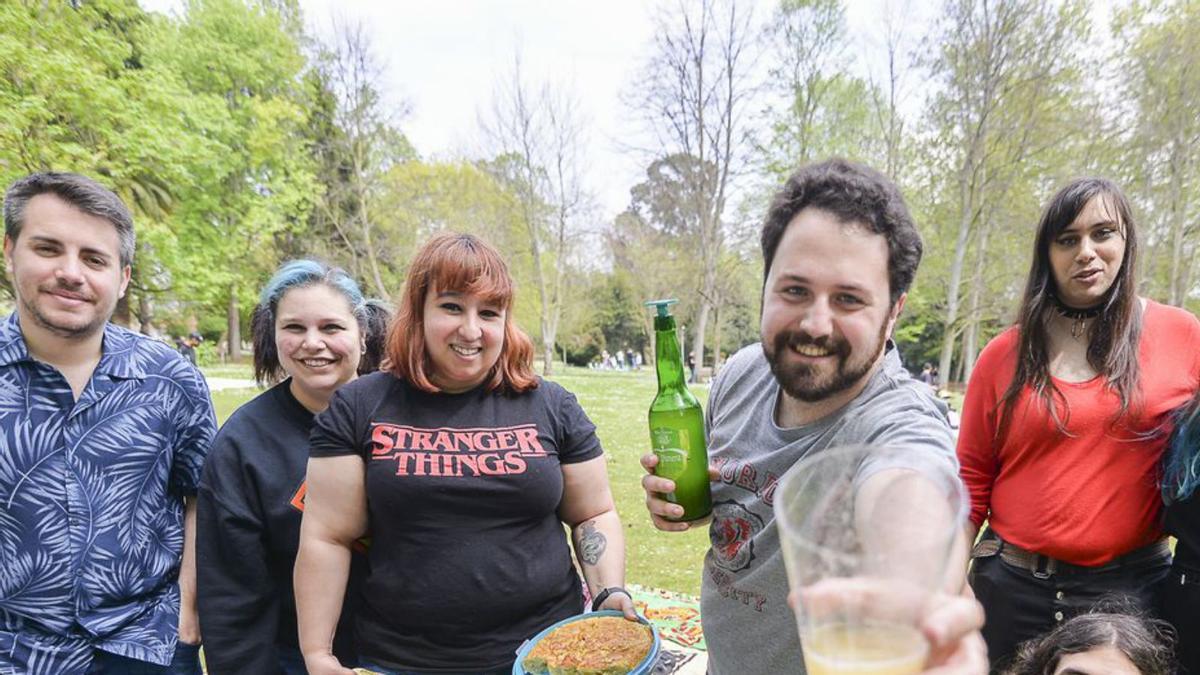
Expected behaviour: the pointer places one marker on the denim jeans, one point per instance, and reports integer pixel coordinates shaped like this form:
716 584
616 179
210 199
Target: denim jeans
186 661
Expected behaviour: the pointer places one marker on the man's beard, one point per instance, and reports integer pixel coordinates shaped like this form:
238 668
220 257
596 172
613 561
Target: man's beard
806 382
70 331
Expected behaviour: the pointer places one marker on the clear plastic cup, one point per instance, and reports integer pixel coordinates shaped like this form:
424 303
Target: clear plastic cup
869 540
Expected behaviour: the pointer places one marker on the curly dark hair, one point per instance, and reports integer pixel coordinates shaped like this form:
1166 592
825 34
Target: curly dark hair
1147 643
855 194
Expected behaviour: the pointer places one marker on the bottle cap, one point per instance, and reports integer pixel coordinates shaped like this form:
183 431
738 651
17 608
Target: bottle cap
664 306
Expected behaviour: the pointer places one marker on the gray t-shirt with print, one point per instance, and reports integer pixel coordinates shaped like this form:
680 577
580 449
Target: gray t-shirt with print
748 625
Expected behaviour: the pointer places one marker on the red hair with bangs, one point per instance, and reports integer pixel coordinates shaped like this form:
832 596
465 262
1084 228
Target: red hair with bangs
462 263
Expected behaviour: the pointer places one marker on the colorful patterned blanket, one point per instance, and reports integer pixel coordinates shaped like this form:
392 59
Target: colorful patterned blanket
676 615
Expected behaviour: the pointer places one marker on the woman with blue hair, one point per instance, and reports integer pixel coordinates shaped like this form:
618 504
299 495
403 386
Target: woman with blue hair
313 332
1181 476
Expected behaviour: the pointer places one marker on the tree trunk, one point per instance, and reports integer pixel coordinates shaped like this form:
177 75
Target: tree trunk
648 329
970 349
554 311
547 353
1177 218
960 253
698 335
364 223
971 334
145 313
716 339
234 331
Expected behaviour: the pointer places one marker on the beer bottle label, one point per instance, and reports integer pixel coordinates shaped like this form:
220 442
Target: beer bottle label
669 446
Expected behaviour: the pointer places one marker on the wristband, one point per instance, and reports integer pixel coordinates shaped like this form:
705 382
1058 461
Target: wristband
603 595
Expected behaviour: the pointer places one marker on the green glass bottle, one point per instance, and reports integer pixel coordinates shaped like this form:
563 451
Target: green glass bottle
677 423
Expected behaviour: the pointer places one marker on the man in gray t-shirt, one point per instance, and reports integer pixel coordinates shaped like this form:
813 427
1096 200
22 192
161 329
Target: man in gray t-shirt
840 252
744 588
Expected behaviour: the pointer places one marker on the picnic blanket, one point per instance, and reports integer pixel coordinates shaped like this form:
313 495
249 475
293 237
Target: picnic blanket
676 615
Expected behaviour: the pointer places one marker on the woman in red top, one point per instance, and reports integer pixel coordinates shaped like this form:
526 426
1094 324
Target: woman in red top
1064 425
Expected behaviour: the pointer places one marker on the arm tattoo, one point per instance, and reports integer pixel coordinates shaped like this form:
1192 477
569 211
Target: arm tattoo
592 543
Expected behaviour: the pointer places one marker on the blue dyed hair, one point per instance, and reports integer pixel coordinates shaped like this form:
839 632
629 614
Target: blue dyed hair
1181 462
371 315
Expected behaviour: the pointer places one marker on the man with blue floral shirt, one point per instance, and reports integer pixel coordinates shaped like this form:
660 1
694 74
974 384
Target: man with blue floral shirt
103 434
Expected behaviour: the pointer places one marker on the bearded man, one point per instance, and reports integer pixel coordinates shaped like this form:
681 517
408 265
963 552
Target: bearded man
840 251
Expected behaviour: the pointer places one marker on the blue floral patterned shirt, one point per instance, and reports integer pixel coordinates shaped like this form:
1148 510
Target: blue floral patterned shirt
91 508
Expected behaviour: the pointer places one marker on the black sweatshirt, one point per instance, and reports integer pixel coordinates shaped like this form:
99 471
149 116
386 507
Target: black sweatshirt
1183 521
468 556
248 532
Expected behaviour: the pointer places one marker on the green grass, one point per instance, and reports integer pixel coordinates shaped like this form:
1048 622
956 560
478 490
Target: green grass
617 403
228 400
236 371
956 400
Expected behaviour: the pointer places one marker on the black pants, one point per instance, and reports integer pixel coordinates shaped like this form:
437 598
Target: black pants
1181 606
1019 606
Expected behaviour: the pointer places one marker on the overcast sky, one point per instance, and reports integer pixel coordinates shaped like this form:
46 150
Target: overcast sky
442 58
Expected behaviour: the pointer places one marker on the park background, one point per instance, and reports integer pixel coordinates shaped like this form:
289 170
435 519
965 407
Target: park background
247 132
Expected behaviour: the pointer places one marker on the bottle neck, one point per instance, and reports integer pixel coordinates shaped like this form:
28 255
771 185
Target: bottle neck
668 359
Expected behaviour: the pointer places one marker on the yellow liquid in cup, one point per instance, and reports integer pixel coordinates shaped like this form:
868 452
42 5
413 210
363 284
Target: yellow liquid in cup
870 649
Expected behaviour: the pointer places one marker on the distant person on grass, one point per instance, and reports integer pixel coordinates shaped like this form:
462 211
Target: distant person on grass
313 331
840 251
927 374
467 466
187 348
1064 425
103 433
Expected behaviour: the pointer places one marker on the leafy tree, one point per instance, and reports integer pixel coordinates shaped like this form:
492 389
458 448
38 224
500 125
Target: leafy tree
827 110
82 90
539 132
1160 78
241 64
1005 112
693 94
356 142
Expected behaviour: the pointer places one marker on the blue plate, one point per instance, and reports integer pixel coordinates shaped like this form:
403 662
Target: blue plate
643 668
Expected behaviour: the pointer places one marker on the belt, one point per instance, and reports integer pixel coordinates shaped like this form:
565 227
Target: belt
1043 566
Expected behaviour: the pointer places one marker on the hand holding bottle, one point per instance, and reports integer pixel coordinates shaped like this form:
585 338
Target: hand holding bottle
677 433
665 515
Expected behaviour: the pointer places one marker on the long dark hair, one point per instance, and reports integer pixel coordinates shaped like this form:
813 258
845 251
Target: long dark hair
1114 335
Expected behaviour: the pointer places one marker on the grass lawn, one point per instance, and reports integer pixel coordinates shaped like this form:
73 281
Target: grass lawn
228 400
617 402
235 371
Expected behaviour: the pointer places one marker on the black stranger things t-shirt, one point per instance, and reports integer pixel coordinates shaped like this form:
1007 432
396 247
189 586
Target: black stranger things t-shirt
468 557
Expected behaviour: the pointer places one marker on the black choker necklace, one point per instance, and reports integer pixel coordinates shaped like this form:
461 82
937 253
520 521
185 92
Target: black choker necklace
1078 317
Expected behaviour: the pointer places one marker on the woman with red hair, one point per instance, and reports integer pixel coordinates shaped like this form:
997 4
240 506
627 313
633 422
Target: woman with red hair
463 466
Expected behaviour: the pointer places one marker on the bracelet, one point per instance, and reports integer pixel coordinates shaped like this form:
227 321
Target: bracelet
603 595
